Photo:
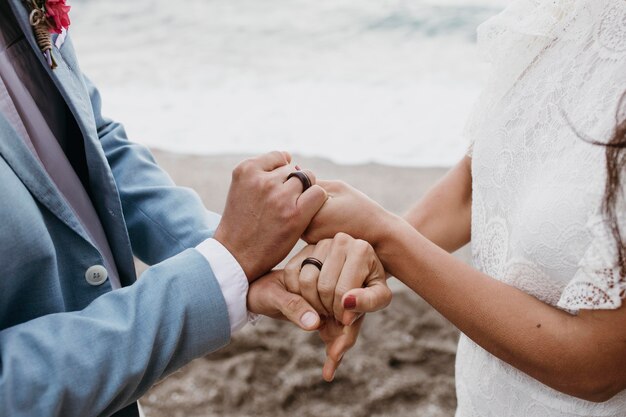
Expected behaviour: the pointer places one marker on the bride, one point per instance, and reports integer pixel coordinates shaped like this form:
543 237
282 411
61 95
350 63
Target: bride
540 196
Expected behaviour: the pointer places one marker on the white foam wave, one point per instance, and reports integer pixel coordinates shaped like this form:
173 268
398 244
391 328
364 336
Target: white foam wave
351 80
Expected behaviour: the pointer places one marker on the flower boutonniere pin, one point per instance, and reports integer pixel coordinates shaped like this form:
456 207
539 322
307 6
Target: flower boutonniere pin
48 17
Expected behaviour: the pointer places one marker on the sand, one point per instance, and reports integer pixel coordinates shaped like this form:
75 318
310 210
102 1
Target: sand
403 364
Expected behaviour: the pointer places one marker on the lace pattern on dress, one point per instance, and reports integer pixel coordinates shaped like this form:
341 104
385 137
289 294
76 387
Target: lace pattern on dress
559 70
598 283
510 41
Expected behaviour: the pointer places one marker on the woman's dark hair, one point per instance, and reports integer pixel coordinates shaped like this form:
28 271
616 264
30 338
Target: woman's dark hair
615 165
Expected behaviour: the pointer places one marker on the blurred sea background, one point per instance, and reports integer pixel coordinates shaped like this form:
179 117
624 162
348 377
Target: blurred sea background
353 81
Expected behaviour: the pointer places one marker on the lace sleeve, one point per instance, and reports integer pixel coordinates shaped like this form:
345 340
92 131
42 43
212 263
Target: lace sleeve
510 41
598 283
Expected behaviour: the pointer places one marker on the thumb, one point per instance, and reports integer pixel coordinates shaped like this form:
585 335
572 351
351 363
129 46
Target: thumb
311 201
297 310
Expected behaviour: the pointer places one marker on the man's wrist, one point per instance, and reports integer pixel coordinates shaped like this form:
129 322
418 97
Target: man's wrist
231 279
237 253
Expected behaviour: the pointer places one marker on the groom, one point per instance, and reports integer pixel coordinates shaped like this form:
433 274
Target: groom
79 335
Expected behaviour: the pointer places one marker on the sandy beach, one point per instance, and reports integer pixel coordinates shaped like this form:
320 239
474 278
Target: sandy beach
403 364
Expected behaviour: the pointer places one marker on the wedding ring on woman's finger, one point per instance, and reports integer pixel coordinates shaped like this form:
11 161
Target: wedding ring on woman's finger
308 284
312 261
304 179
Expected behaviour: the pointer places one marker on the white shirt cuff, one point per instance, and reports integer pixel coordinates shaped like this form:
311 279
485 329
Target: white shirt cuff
231 279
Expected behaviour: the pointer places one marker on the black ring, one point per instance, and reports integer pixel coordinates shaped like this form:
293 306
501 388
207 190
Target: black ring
312 261
304 179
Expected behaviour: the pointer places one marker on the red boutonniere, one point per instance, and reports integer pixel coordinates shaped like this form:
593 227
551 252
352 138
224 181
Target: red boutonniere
48 17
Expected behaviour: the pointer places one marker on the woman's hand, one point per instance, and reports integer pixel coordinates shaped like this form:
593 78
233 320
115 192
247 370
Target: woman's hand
268 296
351 279
351 282
349 210
338 340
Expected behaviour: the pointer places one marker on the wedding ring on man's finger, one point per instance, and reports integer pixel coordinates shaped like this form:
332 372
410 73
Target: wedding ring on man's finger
304 179
312 261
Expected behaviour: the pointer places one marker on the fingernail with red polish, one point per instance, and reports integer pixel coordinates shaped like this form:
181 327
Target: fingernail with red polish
298 168
350 302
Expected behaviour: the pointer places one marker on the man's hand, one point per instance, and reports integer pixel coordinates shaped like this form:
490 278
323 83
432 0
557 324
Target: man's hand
269 297
265 215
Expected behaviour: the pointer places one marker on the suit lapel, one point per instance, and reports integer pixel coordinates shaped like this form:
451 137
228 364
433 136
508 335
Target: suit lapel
103 189
30 171
65 79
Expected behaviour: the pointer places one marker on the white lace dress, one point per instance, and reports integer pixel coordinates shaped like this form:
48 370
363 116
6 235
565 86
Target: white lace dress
559 72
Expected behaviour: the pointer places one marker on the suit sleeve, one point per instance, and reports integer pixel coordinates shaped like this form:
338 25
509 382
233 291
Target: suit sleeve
162 218
100 359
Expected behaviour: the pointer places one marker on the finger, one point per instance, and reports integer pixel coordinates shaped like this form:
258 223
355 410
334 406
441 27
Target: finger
280 174
330 186
354 274
329 276
346 340
330 368
292 269
258 301
319 227
372 298
326 184
270 161
336 350
311 201
308 287
350 317
296 309
309 274
295 187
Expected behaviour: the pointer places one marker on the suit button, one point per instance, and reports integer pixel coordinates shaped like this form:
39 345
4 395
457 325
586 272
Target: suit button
96 275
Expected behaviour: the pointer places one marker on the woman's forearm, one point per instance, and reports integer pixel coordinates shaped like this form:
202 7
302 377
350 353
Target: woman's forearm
443 215
578 355
571 354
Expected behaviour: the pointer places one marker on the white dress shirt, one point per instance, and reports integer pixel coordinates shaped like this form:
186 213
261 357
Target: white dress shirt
232 280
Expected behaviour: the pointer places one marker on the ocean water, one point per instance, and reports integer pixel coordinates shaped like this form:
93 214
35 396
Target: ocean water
389 81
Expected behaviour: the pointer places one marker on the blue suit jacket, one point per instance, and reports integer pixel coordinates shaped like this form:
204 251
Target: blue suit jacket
72 349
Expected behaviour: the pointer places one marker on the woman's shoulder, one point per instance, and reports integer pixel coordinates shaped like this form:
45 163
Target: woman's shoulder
525 27
590 35
521 23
